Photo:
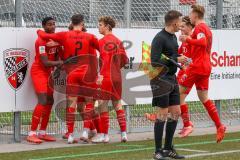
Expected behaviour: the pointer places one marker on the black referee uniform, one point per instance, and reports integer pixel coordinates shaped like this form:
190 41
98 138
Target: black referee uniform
165 88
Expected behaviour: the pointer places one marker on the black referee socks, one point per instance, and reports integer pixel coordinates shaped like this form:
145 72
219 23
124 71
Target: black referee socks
170 130
158 134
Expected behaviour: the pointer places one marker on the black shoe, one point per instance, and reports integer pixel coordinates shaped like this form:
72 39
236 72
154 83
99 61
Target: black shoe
172 153
159 156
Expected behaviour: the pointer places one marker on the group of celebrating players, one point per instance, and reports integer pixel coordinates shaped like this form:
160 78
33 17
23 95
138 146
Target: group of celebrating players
75 52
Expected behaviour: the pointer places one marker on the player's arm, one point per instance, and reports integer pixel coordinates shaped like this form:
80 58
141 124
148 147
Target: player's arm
59 37
44 57
94 42
123 56
200 41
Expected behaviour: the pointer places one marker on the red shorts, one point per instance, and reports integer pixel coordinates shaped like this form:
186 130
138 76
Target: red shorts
110 89
189 79
40 80
180 78
78 86
179 75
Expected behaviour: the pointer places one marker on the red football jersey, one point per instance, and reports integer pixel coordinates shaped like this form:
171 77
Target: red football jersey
185 49
42 49
201 44
76 43
112 56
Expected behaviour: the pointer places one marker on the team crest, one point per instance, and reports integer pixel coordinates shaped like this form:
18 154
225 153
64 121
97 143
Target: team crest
15 65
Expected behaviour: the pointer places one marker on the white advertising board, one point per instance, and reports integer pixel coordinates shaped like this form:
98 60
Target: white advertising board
19 95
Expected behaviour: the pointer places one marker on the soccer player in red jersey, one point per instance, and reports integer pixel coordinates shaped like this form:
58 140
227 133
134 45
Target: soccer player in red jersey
45 60
90 124
81 76
89 129
185 49
199 71
112 58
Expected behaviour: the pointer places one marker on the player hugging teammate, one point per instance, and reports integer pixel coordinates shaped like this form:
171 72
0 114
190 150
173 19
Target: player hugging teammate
196 44
79 60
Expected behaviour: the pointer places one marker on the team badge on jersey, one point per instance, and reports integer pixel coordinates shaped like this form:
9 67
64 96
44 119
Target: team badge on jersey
200 35
16 62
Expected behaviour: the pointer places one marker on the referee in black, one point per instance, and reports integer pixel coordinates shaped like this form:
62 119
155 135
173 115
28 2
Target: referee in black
165 89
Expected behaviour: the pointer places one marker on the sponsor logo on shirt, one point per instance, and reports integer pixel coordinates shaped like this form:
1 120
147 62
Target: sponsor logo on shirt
42 49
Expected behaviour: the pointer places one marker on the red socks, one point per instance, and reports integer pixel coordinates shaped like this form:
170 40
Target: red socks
36 116
97 124
88 122
213 113
185 115
70 118
121 120
105 122
92 126
45 117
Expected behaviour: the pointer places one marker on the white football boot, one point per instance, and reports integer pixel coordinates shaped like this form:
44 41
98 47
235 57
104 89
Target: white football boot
124 137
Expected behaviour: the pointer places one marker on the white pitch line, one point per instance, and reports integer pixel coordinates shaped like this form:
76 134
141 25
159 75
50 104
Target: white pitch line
192 150
212 154
206 154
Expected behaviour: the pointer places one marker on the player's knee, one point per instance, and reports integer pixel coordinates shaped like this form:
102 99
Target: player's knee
71 102
103 109
42 100
175 115
45 99
182 89
162 116
202 97
118 107
50 101
182 99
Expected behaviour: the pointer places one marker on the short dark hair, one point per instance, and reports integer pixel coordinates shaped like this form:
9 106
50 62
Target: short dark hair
171 16
77 19
108 20
199 10
46 19
187 21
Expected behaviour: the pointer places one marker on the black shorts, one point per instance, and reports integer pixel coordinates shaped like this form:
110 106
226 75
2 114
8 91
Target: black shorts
165 91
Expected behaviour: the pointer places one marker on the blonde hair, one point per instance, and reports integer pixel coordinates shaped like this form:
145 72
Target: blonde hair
199 10
107 20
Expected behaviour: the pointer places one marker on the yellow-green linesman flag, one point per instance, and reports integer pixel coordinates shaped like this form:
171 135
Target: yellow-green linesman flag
145 65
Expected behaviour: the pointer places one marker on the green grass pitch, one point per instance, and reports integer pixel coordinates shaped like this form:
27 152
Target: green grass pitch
195 148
